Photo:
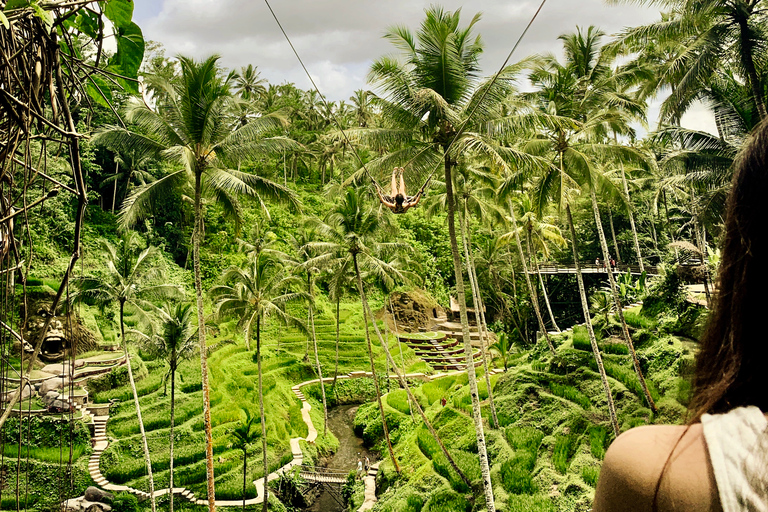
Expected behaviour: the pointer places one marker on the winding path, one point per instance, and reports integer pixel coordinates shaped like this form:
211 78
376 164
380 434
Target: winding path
100 444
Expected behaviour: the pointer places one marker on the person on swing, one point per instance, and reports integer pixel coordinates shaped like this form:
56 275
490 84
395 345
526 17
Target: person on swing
398 201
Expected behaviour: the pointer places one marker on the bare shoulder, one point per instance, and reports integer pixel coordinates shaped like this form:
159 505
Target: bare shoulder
636 460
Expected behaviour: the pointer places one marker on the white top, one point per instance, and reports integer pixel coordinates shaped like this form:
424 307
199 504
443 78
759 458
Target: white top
737 443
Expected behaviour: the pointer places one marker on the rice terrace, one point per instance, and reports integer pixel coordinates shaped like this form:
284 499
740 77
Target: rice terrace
338 257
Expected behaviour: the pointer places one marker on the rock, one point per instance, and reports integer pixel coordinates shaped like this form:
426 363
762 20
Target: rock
53 384
28 391
50 396
59 406
83 505
95 494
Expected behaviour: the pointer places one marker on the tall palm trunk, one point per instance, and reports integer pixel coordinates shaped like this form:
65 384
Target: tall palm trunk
535 263
588 323
531 289
336 369
471 376
618 304
261 412
631 216
196 241
479 314
173 420
613 235
364 300
144 446
245 475
746 39
404 383
114 187
319 368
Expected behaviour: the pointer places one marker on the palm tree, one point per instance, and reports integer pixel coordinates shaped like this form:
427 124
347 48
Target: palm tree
248 82
244 436
590 105
502 347
192 127
437 110
474 186
301 244
253 293
176 343
125 283
540 232
361 104
707 36
351 228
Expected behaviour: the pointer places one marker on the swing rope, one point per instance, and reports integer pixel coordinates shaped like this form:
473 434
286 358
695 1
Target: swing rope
458 133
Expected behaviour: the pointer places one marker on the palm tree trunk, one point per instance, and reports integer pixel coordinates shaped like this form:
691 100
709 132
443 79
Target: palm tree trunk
364 300
319 369
245 475
114 187
404 383
144 446
535 262
471 376
336 369
196 241
613 235
173 420
618 304
479 314
261 412
588 323
631 216
747 60
531 289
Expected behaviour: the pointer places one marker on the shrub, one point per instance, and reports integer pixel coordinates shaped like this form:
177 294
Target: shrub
530 504
565 448
446 500
125 502
427 443
597 438
516 475
570 393
589 474
398 400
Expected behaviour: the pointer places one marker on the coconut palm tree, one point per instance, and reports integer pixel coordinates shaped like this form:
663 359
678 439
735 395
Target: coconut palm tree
248 82
244 437
474 187
351 231
126 284
192 127
301 244
435 111
708 36
590 105
540 232
253 293
175 343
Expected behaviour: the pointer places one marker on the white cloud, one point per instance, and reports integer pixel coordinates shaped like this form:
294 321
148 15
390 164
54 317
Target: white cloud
338 39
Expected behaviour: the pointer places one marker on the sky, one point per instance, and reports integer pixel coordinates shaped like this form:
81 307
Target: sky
338 39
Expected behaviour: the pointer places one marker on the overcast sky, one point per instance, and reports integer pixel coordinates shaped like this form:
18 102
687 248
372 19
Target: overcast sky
338 39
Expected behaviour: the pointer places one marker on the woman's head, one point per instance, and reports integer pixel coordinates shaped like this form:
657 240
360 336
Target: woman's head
731 365
399 199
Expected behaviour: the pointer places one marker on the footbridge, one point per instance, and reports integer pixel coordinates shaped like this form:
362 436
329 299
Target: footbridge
591 268
322 475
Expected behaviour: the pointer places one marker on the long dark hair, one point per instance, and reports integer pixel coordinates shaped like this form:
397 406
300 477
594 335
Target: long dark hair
731 365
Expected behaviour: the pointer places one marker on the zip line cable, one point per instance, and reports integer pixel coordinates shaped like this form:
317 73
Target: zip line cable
458 132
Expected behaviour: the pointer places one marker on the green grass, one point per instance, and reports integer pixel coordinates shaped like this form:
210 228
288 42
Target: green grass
565 448
398 400
571 393
638 321
589 474
46 454
598 436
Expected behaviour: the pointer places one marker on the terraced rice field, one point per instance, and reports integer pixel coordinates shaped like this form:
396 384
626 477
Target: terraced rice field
233 378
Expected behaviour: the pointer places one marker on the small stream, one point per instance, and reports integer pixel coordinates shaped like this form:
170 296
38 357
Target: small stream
341 423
